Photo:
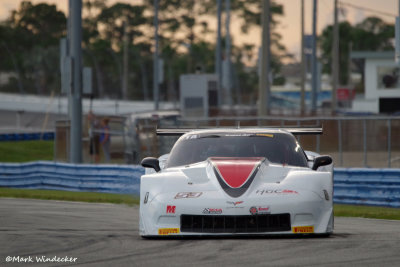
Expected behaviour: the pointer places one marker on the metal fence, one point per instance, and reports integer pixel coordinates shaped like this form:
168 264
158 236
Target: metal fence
371 141
117 135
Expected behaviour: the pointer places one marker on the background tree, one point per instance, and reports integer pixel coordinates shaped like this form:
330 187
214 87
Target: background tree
372 34
30 44
184 28
30 39
116 21
345 40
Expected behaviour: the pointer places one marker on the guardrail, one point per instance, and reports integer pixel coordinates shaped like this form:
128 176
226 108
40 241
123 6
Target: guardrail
72 177
379 187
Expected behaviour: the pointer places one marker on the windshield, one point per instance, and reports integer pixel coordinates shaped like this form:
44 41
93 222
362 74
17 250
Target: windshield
281 148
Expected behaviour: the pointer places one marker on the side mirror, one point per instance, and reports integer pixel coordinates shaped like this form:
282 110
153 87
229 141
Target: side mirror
151 163
321 161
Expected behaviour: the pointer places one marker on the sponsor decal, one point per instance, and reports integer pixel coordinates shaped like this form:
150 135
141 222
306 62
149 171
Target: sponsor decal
235 175
259 210
263 210
188 195
171 209
146 197
275 191
253 210
212 211
234 203
303 229
266 135
168 231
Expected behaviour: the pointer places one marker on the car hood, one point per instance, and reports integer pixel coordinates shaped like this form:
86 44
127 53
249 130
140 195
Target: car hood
238 177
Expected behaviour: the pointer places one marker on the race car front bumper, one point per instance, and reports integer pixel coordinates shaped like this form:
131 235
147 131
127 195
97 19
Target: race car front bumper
304 213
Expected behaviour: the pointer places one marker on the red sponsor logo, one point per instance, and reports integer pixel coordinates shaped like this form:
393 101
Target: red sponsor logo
289 191
263 209
234 203
171 209
253 210
259 210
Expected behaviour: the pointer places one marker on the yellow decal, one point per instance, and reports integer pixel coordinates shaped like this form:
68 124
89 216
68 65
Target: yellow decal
167 231
303 229
267 135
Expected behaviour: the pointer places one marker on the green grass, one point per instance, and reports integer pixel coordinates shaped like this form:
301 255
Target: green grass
23 151
367 212
69 196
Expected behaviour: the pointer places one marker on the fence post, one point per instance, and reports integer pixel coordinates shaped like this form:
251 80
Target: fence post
389 142
298 137
318 140
365 141
340 142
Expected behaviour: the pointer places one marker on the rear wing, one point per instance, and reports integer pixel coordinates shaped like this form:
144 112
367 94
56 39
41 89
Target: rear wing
305 130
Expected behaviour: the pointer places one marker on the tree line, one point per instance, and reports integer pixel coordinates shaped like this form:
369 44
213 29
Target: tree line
372 34
29 45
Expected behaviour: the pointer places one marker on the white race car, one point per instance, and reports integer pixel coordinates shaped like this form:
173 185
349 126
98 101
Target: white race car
256 181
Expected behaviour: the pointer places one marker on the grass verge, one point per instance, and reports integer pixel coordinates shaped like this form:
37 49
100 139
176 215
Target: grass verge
23 151
367 212
69 196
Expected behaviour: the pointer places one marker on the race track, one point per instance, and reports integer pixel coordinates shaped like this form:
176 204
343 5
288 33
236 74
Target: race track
107 235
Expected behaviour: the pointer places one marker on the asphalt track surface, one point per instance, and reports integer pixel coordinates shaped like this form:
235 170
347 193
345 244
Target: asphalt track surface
107 235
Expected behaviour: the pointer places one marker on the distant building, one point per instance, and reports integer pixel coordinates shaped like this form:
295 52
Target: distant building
198 94
5 77
381 83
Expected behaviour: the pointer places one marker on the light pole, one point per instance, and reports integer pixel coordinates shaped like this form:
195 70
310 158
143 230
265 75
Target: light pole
314 66
264 83
303 63
155 58
76 83
218 66
228 53
335 59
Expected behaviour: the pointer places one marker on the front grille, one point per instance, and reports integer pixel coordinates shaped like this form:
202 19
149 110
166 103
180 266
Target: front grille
235 224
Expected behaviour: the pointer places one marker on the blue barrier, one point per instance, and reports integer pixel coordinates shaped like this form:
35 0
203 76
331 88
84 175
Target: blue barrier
72 177
379 187
26 136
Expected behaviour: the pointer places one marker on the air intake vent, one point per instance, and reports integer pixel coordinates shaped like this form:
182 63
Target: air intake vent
235 224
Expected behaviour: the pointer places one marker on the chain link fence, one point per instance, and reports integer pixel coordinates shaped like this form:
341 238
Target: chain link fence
371 141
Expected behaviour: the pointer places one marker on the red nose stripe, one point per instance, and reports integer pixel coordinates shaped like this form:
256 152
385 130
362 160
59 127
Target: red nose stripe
235 172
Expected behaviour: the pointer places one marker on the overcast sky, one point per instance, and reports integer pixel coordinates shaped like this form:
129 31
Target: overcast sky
289 26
